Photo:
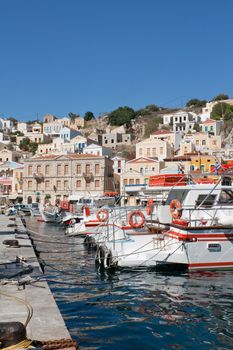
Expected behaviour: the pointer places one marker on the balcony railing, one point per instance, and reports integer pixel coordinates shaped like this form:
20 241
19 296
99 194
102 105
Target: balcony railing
89 177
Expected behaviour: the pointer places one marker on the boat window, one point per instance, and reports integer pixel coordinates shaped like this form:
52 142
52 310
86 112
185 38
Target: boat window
86 201
176 194
206 200
225 197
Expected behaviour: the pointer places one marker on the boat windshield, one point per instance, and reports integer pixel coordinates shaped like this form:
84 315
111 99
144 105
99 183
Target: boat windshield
179 194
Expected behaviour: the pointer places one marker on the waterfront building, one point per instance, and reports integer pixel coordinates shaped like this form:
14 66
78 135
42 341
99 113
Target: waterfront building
11 181
4 138
58 176
153 148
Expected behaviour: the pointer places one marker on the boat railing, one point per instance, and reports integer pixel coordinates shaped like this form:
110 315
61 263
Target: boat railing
208 216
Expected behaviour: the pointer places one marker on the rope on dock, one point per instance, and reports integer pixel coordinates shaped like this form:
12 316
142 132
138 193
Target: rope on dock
28 306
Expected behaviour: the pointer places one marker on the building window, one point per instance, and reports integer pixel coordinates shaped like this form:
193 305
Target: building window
148 152
131 181
78 168
58 185
30 170
88 168
88 184
47 170
66 186
59 169
97 168
29 185
153 168
161 150
214 142
66 169
137 181
153 152
140 151
78 183
47 184
39 172
125 182
97 183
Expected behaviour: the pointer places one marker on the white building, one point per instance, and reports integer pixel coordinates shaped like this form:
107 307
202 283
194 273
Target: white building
6 124
97 150
119 165
212 126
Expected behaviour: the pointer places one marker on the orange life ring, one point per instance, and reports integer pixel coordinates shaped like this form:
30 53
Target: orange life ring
134 224
150 202
102 215
175 207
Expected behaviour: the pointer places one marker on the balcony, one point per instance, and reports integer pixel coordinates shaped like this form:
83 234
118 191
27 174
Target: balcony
89 177
38 177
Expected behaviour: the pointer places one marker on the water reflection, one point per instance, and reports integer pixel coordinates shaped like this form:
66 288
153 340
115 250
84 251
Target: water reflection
135 309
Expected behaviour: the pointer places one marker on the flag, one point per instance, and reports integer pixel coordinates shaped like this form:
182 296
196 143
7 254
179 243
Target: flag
217 166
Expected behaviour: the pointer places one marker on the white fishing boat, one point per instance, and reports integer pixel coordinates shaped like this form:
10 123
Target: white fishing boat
199 234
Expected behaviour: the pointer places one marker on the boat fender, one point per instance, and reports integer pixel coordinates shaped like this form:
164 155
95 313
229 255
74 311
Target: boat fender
175 209
11 333
180 222
102 215
132 215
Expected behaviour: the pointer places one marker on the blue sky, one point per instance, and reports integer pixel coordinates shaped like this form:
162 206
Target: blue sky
61 56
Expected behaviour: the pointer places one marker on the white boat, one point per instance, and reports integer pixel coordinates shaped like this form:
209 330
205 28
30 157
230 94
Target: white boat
50 213
199 234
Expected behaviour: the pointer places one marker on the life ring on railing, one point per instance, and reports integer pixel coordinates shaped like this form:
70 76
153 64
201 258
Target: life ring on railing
102 215
132 215
175 207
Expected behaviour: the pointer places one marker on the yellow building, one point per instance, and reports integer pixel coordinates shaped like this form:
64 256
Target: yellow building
202 162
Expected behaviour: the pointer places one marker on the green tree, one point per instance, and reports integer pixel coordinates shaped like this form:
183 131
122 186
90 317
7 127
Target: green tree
88 116
152 108
24 144
221 110
121 115
221 97
195 102
27 145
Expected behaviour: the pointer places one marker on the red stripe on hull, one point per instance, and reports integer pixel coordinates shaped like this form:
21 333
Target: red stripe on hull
211 264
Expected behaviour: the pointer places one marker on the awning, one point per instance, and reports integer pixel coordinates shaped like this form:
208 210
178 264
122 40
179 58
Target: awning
6 182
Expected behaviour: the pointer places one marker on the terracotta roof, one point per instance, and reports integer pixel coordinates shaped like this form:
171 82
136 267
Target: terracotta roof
162 132
142 160
209 121
70 155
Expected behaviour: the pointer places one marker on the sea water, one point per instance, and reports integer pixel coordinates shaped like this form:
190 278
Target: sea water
134 309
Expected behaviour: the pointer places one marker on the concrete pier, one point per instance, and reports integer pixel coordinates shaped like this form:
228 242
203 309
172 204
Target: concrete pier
46 323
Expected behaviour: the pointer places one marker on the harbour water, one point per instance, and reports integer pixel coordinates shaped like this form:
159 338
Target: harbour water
134 309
